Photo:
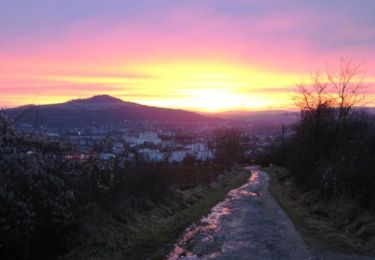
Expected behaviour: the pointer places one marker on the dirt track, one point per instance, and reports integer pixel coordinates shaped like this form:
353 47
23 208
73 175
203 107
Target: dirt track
248 224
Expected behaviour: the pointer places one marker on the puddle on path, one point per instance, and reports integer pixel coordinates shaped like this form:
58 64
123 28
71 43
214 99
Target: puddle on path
211 222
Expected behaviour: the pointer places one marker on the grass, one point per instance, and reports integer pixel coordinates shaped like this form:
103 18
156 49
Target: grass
317 230
153 236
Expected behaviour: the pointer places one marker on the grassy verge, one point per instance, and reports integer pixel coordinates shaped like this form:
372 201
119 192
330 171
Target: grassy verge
317 230
155 236
151 235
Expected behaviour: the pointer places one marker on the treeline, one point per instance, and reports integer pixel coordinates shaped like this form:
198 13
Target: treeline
332 148
45 199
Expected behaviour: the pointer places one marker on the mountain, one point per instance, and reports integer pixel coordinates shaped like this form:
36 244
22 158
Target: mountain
98 110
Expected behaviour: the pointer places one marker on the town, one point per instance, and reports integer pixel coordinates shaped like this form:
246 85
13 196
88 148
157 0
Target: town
153 141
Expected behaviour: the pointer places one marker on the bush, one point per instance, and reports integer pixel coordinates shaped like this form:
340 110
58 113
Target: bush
341 169
38 209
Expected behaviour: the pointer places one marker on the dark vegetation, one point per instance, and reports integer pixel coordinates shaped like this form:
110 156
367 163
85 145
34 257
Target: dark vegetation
147 229
50 205
228 147
330 155
310 218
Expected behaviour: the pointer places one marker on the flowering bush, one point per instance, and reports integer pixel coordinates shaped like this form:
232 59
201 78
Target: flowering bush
36 197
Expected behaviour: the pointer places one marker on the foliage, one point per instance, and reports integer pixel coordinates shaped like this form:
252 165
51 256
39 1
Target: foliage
332 149
228 148
38 209
46 199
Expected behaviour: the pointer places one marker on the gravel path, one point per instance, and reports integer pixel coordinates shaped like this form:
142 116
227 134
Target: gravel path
248 224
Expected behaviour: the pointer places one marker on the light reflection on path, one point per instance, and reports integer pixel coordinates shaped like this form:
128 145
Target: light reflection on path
211 222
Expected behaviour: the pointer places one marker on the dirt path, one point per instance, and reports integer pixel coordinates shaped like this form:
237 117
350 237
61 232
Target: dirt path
248 224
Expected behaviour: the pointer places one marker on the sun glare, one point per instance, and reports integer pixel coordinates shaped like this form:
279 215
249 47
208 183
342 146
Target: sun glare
214 100
208 86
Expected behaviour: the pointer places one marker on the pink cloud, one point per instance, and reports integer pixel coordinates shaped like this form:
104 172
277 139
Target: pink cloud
270 41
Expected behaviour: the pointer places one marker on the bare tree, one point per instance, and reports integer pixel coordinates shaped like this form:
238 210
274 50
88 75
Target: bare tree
330 97
311 97
342 89
228 148
347 91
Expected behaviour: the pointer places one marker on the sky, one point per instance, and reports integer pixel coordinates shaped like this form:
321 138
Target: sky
201 55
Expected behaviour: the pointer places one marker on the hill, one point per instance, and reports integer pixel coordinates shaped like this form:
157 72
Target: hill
98 110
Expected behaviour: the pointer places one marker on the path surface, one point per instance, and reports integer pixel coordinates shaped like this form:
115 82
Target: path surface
248 224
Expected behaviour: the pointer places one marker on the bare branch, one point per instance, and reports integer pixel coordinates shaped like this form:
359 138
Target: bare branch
341 90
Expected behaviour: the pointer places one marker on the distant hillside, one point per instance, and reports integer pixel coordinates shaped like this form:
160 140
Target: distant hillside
270 117
371 110
261 117
98 110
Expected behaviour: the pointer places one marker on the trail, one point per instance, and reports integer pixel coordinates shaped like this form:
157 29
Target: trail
248 224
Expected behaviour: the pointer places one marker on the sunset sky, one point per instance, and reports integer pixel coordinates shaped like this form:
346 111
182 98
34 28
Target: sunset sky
206 55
